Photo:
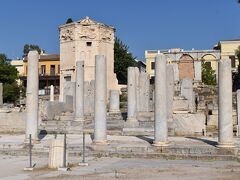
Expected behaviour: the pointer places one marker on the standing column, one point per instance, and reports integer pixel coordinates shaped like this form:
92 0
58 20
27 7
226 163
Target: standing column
238 112
1 94
225 124
114 101
100 102
51 93
32 95
132 103
160 109
137 88
170 90
79 103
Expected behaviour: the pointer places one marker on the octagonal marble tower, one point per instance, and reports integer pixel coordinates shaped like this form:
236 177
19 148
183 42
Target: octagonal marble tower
81 41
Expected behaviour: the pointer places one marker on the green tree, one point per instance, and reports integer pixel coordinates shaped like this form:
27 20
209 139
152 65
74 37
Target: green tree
122 60
69 20
8 76
29 47
236 76
208 74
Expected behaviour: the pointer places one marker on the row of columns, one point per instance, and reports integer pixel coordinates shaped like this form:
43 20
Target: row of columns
160 96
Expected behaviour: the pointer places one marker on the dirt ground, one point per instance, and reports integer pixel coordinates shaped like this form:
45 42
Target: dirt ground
11 167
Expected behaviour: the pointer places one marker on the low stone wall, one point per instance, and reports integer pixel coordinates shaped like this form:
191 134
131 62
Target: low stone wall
12 122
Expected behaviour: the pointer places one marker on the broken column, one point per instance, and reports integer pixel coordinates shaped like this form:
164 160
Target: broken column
144 92
114 101
187 92
137 88
100 110
51 93
56 153
79 103
197 71
225 124
238 112
160 109
132 103
32 96
1 94
170 90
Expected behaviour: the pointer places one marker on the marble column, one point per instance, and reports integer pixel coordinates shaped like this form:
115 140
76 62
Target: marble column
132 102
79 103
238 112
100 110
51 93
114 101
137 88
225 124
32 96
197 71
170 90
160 109
1 94
144 92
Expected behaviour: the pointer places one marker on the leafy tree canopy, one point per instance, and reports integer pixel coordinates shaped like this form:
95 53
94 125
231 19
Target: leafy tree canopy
30 47
8 76
236 76
122 60
69 20
208 74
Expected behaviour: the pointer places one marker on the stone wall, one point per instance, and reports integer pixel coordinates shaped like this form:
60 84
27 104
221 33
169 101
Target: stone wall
12 122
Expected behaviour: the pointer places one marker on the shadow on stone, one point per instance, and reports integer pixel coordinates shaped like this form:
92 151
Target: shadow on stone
42 134
124 115
212 143
92 136
149 140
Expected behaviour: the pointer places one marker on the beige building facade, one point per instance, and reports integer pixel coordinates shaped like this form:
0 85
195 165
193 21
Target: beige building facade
188 62
81 41
228 51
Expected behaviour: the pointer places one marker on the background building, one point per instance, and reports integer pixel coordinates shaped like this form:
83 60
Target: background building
49 72
188 62
228 49
82 40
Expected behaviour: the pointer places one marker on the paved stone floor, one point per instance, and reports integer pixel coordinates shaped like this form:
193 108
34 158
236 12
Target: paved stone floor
11 167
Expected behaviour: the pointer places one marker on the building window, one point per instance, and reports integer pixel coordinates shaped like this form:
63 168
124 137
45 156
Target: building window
89 43
58 69
52 70
152 65
233 61
43 70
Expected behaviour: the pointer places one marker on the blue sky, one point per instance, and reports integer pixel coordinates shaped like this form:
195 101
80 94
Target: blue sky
141 24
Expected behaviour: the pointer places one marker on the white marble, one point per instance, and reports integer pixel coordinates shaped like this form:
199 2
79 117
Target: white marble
100 109
225 124
32 95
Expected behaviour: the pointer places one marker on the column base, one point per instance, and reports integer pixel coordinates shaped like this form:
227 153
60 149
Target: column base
79 119
100 142
28 169
226 145
83 164
34 141
160 144
63 169
114 111
131 123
